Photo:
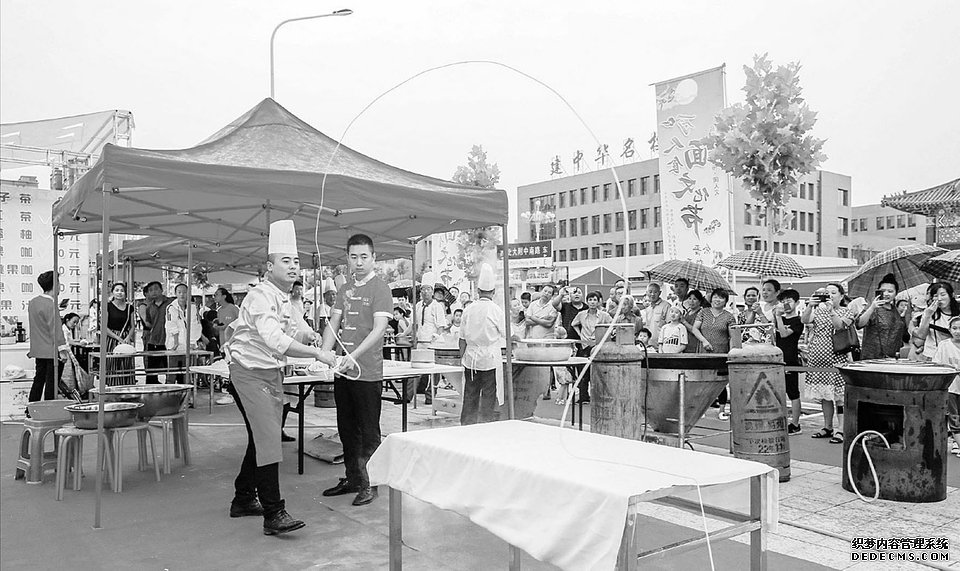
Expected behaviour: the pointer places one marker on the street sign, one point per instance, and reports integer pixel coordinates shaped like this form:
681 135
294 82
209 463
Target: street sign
529 254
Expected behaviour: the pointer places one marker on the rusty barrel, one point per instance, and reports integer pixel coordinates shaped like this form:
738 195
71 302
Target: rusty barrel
758 406
906 402
616 393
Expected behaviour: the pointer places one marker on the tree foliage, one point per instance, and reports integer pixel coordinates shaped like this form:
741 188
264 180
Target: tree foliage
477 172
765 141
474 246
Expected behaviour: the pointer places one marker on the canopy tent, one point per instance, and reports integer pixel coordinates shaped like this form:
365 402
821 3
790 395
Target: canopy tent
597 276
267 165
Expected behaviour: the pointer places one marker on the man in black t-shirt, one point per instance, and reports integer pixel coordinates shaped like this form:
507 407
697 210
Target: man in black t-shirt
569 310
789 328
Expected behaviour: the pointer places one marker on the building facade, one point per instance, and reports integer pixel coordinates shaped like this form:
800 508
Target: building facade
582 214
26 251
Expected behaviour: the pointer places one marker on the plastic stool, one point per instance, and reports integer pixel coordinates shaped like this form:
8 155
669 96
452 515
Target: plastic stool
70 456
33 461
143 432
175 428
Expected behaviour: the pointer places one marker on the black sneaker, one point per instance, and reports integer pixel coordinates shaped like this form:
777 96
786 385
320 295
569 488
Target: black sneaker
794 429
241 509
281 523
343 487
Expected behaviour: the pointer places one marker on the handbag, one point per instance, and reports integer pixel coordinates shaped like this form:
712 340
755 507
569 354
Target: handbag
83 379
846 341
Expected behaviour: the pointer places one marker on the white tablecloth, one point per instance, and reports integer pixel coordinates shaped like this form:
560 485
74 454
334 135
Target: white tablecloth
561 495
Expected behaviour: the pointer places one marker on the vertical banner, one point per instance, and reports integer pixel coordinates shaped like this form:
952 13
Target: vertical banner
694 193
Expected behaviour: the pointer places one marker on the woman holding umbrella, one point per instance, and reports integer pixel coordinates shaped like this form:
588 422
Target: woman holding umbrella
827 312
932 326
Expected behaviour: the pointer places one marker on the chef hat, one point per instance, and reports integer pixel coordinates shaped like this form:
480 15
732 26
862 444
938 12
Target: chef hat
487 281
283 238
328 285
427 279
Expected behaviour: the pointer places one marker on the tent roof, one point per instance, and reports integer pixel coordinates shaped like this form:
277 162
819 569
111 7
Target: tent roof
268 164
156 251
926 202
599 275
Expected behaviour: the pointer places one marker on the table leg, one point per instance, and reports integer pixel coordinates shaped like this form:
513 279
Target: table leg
514 558
403 402
627 556
433 393
396 529
758 538
580 406
300 398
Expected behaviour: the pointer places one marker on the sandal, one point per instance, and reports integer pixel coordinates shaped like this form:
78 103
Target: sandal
837 438
823 433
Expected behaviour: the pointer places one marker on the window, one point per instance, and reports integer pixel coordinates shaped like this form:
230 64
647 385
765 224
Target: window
618 221
793 219
573 255
26 234
540 229
631 188
594 192
658 247
644 248
656 184
616 190
803 221
810 225
890 222
803 190
644 185
619 250
901 221
633 249
879 222
606 192
563 200
595 223
644 212
844 197
632 219
583 196
811 194
843 252
776 247
26 252
656 216
607 223
843 226
746 214
793 248
573 227
562 228
757 245
573 198
863 224
748 246
911 220
584 253
562 256
26 287
596 252
803 249
584 226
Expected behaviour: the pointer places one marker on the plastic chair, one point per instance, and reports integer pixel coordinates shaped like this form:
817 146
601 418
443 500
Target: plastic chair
175 429
33 462
143 432
70 456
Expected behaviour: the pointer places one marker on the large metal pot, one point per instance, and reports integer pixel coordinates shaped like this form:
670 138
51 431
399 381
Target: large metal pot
115 414
540 350
156 399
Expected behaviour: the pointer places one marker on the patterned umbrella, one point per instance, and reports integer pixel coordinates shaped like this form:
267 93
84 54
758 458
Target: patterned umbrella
902 261
944 267
764 263
700 277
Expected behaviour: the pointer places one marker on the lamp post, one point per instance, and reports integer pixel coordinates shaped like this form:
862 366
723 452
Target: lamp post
539 218
273 36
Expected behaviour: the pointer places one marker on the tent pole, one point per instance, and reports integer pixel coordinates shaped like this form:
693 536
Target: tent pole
188 376
414 292
316 284
508 369
101 435
55 318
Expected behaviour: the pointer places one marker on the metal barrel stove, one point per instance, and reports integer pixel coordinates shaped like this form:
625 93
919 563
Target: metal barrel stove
906 402
758 406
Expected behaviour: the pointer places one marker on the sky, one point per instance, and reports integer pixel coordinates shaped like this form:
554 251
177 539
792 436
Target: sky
883 76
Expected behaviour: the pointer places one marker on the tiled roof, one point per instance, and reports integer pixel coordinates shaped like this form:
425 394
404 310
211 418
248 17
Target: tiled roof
926 201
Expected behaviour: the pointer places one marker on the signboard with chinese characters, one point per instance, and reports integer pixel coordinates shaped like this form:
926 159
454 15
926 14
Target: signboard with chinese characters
694 193
529 254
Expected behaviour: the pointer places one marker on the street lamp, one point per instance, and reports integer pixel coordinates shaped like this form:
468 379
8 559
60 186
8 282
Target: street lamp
539 218
273 36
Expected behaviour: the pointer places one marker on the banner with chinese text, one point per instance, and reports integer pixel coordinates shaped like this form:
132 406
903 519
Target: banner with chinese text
694 193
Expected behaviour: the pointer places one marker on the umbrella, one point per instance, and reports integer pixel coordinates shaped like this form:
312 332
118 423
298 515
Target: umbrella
902 261
764 263
700 277
944 267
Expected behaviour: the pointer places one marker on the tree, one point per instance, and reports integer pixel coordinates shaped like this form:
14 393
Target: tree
765 142
476 245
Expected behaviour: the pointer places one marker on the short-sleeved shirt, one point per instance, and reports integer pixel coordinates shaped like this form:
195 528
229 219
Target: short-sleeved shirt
654 316
359 303
568 312
883 334
790 345
544 311
672 337
948 353
588 325
716 328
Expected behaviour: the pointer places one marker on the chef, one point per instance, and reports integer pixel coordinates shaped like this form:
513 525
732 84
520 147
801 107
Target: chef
263 336
481 337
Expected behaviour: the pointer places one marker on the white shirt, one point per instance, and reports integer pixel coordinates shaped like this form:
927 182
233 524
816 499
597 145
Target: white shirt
654 316
176 327
265 329
948 353
482 329
429 324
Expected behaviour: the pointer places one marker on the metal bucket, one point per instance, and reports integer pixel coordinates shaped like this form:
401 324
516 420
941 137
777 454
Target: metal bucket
323 396
758 407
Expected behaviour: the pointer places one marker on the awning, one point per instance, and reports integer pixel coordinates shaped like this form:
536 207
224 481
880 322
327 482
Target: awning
926 202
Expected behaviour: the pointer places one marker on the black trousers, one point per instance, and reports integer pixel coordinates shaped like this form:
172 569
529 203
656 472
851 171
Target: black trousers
254 481
479 397
358 421
178 362
575 371
154 363
43 384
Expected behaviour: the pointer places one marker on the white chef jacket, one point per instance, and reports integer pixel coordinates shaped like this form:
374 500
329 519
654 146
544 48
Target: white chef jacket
482 329
265 328
429 323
